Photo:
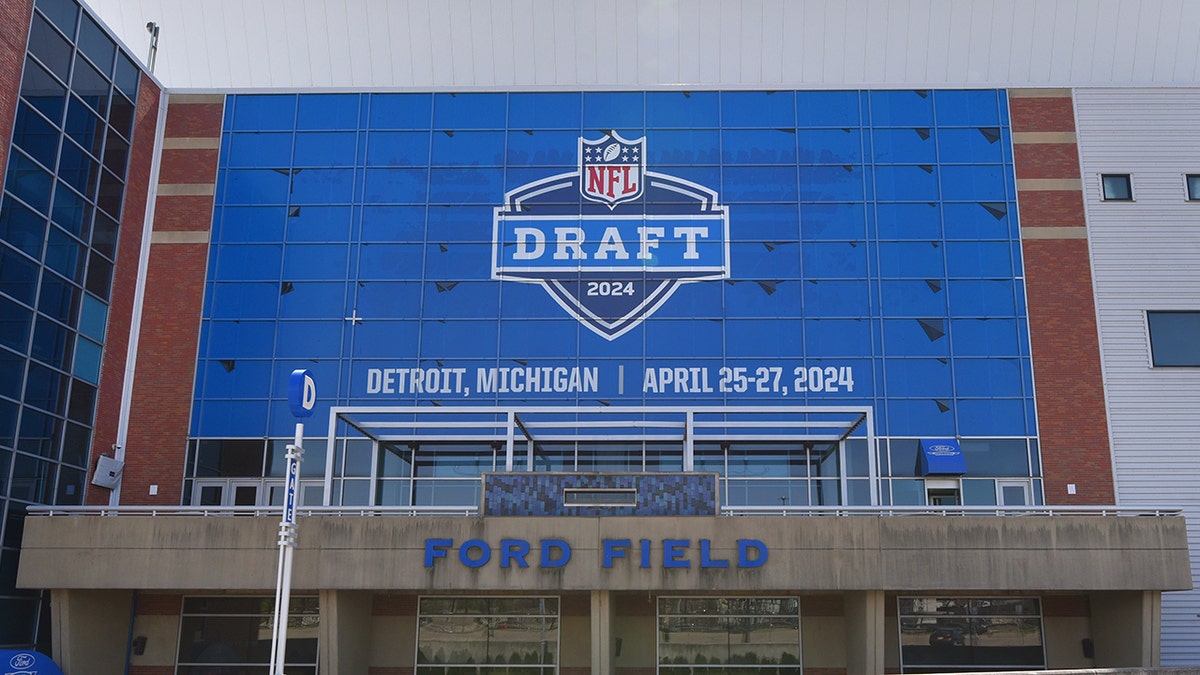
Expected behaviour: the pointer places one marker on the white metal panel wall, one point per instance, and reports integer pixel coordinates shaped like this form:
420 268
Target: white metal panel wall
1146 256
464 44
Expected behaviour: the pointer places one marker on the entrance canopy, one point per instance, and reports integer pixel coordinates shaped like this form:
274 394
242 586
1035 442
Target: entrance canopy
519 431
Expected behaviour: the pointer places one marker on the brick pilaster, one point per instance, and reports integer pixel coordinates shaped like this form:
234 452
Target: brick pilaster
170 331
1072 422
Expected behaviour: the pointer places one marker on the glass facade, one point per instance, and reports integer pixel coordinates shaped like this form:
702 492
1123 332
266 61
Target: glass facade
729 636
487 636
59 220
232 635
951 634
872 258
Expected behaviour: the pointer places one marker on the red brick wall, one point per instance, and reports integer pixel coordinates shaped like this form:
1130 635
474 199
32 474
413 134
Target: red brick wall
120 312
14 31
166 362
1072 422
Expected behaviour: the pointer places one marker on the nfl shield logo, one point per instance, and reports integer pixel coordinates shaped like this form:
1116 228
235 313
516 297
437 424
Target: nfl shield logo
611 169
614 257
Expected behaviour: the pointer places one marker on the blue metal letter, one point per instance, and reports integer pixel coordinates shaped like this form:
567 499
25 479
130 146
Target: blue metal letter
551 545
485 553
706 552
675 552
436 548
513 549
745 546
614 548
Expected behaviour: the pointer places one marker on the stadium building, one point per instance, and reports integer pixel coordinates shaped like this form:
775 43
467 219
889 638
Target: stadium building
685 338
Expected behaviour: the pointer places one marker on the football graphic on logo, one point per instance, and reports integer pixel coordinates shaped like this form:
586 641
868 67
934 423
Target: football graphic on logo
611 152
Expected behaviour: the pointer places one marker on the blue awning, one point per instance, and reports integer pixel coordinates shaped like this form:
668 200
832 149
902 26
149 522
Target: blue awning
942 456
22 661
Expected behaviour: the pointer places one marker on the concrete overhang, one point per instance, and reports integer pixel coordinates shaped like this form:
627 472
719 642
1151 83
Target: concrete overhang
903 553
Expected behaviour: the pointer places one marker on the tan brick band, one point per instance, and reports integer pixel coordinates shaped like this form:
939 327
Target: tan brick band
178 237
1027 137
1053 232
1047 184
191 144
187 190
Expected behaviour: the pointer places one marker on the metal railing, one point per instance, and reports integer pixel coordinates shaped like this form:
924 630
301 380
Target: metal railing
472 511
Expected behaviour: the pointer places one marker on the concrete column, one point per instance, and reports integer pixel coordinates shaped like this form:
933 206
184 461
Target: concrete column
345 633
90 629
864 632
1126 628
602 633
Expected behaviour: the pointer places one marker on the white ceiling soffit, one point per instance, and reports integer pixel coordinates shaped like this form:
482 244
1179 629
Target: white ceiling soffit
542 44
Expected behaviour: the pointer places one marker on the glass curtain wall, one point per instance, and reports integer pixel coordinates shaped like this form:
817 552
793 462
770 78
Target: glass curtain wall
59 221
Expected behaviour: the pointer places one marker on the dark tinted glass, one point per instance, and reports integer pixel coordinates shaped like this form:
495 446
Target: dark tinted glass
64 254
84 126
99 276
22 228
64 14
82 403
104 235
18 275
120 115
50 48
1175 338
116 152
71 211
127 76
28 182
35 135
46 389
43 92
78 168
96 45
75 442
91 86
52 342
110 195
58 298
1193 186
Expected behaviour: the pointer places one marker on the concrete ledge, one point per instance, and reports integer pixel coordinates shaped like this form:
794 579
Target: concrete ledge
904 553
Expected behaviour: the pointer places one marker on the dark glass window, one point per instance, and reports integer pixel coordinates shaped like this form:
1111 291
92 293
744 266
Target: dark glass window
1117 187
35 136
14 324
77 168
120 115
71 211
43 92
96 45
59 298
127 76
84 127
91 86
104 235
1174 338
18 275
1193 187
64 14
22 228
28 182
50 48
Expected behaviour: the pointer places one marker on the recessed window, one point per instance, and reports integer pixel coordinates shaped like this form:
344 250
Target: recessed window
1116 187
1193 187
1174 338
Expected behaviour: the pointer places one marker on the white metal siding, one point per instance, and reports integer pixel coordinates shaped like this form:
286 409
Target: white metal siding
464 44
1146 256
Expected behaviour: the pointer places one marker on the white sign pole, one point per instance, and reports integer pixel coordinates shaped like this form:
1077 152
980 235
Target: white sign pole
302 396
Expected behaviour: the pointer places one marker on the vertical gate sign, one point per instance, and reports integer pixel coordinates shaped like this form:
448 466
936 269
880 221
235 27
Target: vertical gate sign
611 241
302 393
